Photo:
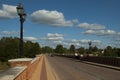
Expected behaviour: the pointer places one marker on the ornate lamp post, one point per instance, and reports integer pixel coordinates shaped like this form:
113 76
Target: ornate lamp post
22 15
89 43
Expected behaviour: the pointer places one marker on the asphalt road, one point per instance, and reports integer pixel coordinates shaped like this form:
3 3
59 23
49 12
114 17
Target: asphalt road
70 69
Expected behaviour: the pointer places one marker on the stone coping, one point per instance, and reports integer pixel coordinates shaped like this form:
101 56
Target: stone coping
11 73
20 59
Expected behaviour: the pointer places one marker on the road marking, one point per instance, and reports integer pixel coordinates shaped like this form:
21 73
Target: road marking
37 72
43 75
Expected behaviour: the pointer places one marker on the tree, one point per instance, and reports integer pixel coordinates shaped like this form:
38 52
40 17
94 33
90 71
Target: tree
31 49
9 48
108 51
47 49
81 50
94 49
72 49
65 50
59 49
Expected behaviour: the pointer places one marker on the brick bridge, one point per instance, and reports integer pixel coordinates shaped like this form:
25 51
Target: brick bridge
43 67
30 69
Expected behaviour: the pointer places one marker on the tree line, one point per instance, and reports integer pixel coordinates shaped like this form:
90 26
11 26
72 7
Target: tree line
9 49
92 50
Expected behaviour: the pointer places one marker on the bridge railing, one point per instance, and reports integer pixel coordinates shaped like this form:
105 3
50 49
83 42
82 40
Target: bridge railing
27 73
102 60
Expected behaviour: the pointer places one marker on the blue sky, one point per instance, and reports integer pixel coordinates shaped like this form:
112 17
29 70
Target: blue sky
66 22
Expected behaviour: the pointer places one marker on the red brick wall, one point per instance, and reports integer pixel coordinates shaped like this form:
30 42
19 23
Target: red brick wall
19 63
27 73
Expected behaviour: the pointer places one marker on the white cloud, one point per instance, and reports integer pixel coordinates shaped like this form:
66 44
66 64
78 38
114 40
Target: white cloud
117 39
64 43
30 38
53 38
75 21
91 26
97 42
118 33
100 32
8 32
74 40
84 41
8 11
54 35
53 18
78 43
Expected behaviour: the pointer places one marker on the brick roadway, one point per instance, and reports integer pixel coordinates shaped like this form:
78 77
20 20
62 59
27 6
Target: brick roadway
69 69
44 71
43 75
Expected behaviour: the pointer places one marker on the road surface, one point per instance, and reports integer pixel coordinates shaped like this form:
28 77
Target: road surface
70 69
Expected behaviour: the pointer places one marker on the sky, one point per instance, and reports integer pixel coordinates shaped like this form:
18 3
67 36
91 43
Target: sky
66 22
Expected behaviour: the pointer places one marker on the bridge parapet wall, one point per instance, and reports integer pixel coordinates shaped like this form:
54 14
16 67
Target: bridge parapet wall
104 60
27 73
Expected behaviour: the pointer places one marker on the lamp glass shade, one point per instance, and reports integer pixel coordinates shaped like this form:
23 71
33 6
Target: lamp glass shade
20 9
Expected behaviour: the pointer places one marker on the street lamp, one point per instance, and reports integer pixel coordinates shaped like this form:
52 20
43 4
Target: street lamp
22 15
89 43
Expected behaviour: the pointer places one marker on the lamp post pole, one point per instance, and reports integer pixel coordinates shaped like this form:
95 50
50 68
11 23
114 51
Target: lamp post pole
90 43
22 15
21 38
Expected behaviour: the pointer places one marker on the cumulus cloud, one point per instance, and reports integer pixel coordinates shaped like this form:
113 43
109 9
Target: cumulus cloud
8 32
73 42
8 11
53 18
117 39
78 43
75 21
30 38
100 32
84 41
91 26
53 37
64 43
96 42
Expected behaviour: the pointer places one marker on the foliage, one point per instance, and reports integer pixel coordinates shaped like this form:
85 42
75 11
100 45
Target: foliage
111 52
47 49
9 48
81 50
72 49
59 49
31 49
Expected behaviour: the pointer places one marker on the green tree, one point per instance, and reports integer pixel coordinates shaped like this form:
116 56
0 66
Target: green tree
31 49
59 49
47 49
65 50
108 51
72 49
8 48
94 49
81 50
